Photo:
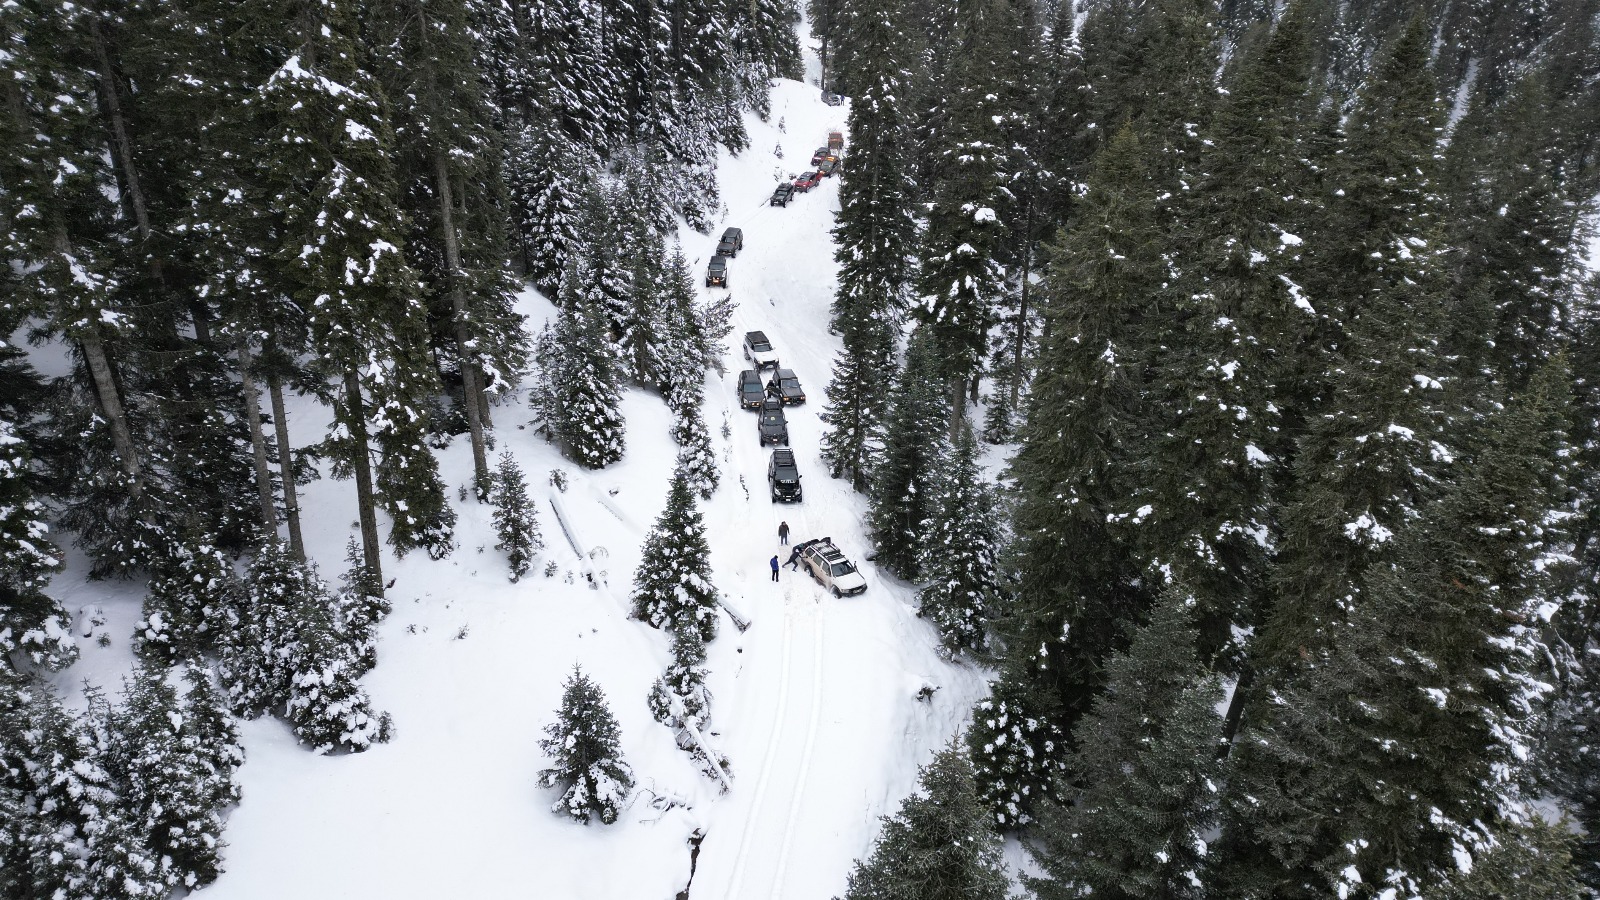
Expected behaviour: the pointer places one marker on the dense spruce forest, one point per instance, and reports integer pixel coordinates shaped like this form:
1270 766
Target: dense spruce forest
1224 376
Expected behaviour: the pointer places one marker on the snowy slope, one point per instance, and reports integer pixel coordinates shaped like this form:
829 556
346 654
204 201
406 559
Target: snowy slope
814 704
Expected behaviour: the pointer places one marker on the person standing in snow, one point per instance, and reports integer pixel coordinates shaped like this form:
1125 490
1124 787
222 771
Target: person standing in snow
774 568
783 532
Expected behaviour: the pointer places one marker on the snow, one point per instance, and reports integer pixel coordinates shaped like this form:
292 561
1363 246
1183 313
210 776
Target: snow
815 705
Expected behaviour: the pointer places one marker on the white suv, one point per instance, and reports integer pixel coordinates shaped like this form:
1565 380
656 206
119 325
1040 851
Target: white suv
759 350
831 569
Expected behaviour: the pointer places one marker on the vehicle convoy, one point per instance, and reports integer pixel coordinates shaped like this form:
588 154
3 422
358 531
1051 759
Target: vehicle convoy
780 196
717 272
783 477
759 350
786 386
751 389
805 181
733 239
831 568
773 426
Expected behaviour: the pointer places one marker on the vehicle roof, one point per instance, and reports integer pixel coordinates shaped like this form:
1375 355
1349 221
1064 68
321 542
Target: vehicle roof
749 375
786 373
782 453
729 231
754 336
716 260
772 404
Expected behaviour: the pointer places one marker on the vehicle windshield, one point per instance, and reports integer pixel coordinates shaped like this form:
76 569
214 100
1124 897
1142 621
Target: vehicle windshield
772 419
760 346
791 383
841 568
753 384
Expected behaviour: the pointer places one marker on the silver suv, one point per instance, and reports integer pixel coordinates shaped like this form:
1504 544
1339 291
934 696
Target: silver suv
831 569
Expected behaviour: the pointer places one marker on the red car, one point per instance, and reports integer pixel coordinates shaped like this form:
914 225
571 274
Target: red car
807 181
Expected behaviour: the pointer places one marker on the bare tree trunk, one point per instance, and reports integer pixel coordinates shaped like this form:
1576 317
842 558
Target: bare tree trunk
958 405
291 493
121 141
1022 311
472 398
105 387
258 439
361 461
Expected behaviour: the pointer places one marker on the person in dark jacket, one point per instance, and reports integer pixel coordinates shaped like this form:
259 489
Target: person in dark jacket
774 568
794 556
783 532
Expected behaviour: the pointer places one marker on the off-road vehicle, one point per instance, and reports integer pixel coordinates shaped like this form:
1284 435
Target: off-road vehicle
783 477
831 568
717 272
759 350
786 385
780 197
751 389
773 426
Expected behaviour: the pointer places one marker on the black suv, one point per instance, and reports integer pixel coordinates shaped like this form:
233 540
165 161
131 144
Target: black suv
732 242
751 391
787 387
780 197
783 477
773 426
717 271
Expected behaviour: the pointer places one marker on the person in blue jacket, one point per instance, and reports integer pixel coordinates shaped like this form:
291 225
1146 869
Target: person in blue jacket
774 568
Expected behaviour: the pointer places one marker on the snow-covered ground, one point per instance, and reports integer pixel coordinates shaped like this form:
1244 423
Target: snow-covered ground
815 705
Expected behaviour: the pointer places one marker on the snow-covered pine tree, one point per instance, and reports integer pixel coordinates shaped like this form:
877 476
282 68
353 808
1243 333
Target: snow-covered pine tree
1072 609
74 837
212 733
584 745
329 710
905 474
1140 793
960 279
856 403
672 588
697 461
449 153
1382 755
361 607
546 199
516 519
577 396
606 227
643 333
171 789
1374 447
1526 861
680 693
939 846
192 595
1228 388
257 651
958 554
325 149
30 619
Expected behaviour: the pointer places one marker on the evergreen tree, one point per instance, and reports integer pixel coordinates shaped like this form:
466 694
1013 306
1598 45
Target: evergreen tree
672 588
1146 770
583 744
1078 587
940 846
1414 723
172 790
961 280
73 837
30 619
959 554
258 651
905 475
697 462
515 519
1531 861
193 590
856 404
361 606
546 198
679 695
578 394
1016 747
327 707
1372 450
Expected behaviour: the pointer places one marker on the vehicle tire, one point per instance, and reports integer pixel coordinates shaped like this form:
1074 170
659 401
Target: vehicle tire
836 594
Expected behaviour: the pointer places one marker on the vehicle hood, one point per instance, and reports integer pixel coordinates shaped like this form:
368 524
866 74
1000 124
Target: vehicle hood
851 582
